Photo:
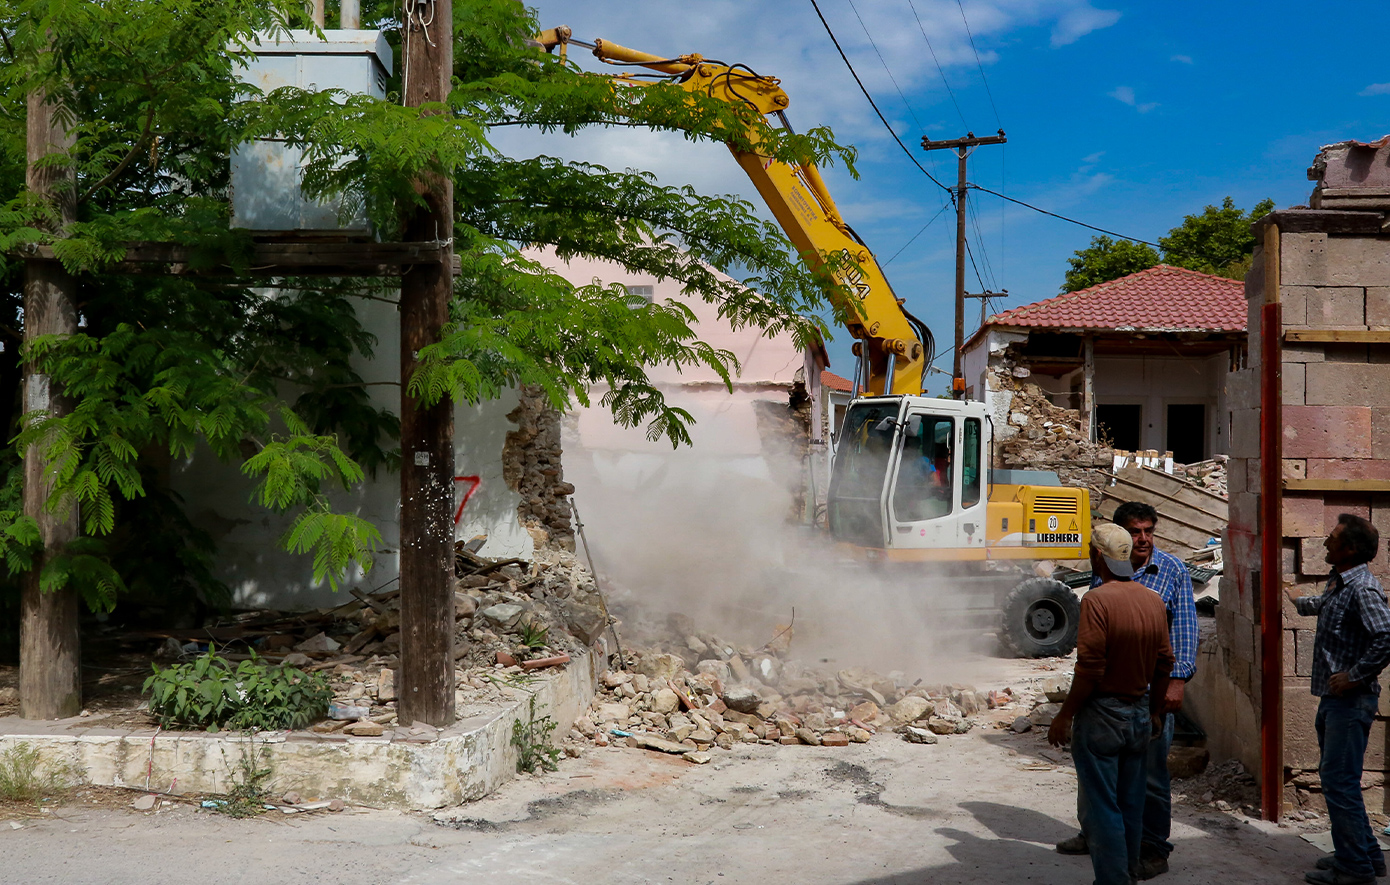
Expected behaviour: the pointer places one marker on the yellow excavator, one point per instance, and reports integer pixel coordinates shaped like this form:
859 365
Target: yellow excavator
911 481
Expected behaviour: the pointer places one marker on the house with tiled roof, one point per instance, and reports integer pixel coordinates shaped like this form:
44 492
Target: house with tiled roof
1143 358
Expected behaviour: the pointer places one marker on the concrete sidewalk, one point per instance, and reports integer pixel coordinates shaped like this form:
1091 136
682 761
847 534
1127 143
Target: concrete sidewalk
980 807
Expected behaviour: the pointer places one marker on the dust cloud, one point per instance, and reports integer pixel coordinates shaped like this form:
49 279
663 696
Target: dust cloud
710 538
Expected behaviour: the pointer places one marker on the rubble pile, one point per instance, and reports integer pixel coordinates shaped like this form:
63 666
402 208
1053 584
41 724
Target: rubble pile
691 691
1208 475
512 618
1048 437
1225 786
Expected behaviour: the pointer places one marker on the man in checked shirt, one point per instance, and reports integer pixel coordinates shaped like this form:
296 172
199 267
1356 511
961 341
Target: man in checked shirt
1351 647
1167 576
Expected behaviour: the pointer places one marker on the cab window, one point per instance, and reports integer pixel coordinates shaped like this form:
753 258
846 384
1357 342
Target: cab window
925 469
970 464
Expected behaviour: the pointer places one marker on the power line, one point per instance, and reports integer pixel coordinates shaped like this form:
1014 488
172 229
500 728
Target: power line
978 65
974 215
872 104
979 279
884 62
1065 218
939 69
918 234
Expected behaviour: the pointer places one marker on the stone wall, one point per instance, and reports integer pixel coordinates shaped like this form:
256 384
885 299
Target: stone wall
531 465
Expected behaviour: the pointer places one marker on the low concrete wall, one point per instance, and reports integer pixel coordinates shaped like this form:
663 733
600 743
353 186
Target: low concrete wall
403 769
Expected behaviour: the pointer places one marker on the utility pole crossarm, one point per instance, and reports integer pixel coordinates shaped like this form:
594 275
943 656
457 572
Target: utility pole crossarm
963 148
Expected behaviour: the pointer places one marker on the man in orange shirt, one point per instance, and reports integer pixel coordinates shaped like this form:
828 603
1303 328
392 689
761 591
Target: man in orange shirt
1123 662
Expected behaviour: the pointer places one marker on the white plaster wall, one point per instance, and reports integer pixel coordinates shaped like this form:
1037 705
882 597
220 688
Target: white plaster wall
1156 382
218 497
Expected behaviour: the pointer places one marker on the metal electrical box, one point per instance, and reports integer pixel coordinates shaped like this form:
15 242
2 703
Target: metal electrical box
266 174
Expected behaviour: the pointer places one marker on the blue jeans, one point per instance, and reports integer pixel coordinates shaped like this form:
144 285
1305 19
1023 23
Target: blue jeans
1158 797
1344 725
1109 746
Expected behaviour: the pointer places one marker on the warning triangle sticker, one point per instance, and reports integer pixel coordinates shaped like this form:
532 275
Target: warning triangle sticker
1073 525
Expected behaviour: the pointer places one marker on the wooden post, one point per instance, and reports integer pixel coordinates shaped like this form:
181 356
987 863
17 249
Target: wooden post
50 645
426 678
1270 607
1088 388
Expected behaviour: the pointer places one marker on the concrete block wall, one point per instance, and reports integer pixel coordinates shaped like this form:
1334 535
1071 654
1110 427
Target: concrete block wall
1336 425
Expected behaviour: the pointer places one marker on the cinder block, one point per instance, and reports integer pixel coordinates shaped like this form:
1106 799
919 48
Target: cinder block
1346 353
1303 260
1243 390
1302 353
1339 431
1347 384
1354 261
1302 516
1294 468
1245 433
1335 307
1334 505
1378 307
1380 433
1243 637
1290 653
1288 558
1300 732
1292 619
1244 511
1303 655
1254 480
1311 551
1348 468
1293 306
1235 477
1293 380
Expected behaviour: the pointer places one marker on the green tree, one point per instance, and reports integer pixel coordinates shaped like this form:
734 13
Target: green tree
1106 259
167 365
1216 240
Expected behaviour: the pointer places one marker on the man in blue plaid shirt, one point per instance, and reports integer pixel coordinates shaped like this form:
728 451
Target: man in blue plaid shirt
1167 576
1351 647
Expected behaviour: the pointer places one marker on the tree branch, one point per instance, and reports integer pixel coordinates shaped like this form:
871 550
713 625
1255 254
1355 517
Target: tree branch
126 160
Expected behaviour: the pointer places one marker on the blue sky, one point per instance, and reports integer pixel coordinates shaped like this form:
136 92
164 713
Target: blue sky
1126 116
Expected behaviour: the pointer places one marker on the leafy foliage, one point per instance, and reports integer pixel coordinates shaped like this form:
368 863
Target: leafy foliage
1215 241
260 373
250 781
1106 259
210 693
26 778
532 741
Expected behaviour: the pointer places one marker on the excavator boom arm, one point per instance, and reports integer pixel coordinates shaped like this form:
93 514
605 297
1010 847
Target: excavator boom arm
802 205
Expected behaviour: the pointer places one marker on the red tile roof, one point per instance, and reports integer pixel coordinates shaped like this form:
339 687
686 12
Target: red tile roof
1162 298
835 382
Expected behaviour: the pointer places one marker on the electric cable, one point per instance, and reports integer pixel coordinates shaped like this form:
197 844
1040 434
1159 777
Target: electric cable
921 27
918 234
1064 218
873 105
978 64
883 61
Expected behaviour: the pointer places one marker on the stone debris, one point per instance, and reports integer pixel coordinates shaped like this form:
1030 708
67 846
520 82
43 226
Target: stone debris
699 693
913 734
1208 475
144 803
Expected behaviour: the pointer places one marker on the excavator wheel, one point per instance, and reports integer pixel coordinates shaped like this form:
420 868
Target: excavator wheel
1040 618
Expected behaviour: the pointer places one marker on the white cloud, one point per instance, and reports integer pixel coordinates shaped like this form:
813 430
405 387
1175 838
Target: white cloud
1125 95
1080 21
1376 89
1182 59
1092 159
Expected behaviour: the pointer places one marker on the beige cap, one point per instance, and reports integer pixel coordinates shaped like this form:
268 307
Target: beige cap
1114 545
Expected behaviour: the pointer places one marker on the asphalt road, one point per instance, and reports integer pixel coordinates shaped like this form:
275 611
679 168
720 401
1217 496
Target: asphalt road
980 807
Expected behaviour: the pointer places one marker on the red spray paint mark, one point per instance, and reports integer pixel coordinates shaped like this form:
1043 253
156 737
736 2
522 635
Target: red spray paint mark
473 487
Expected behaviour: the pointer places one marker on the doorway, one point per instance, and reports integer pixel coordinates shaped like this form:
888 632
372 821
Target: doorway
1187 432
1121 424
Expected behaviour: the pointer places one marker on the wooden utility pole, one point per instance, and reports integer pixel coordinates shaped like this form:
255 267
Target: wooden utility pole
963 147
426 684
984 301
50 644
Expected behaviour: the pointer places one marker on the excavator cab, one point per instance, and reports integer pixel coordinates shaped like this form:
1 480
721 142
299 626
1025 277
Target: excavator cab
907 477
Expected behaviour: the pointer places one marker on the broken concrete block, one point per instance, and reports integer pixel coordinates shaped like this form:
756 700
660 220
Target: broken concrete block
914 735
1044 714
937 725
144 803
386 686
585 622
660 667
1057 687
742 698
910 709
834 739
699 757
613 712
807 736
296 659
320 642
665 701
503 614
858 735
366 729
464 605
1022 724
